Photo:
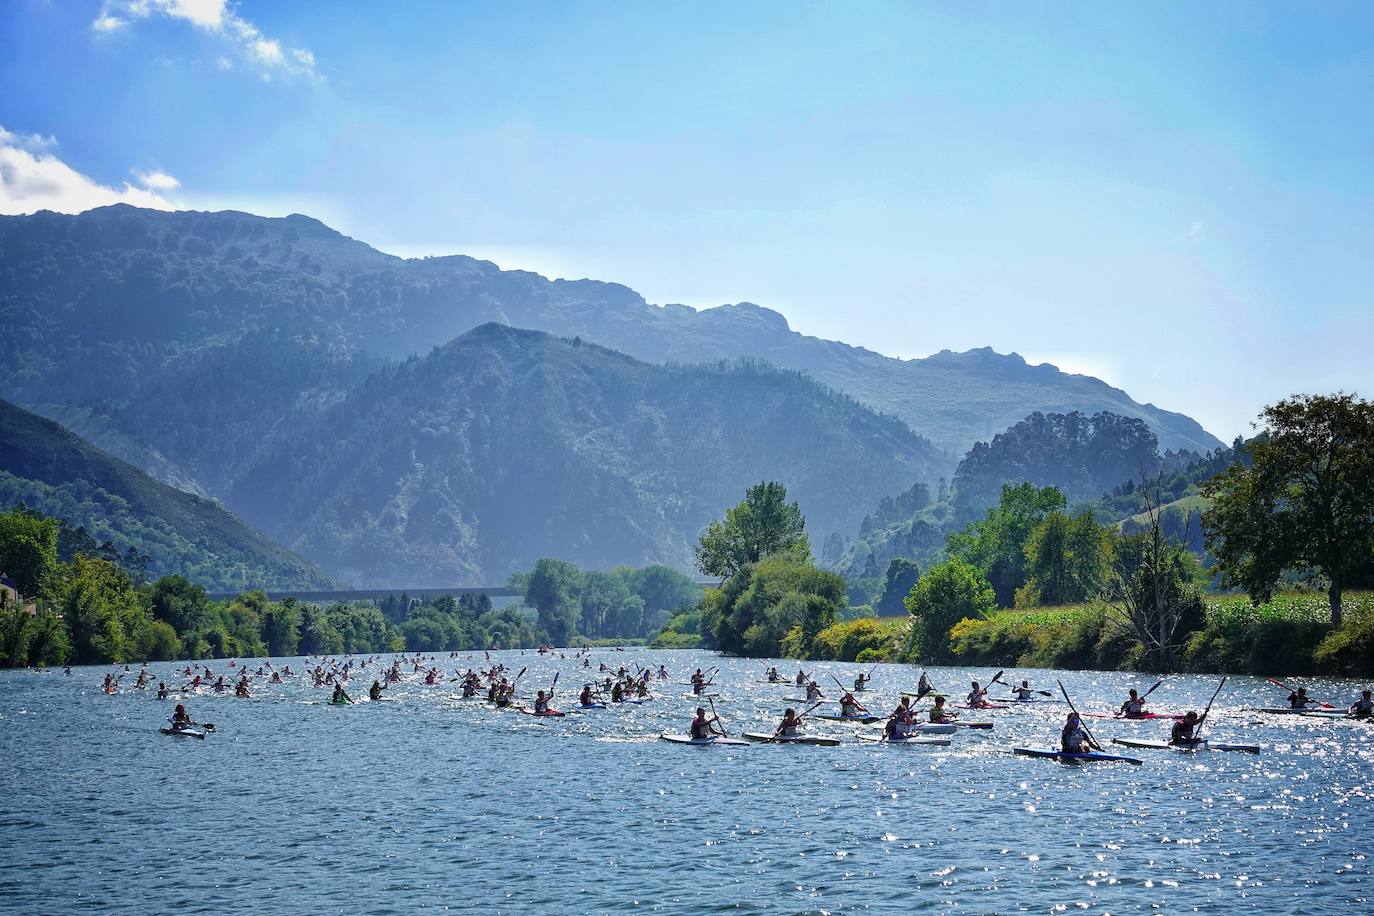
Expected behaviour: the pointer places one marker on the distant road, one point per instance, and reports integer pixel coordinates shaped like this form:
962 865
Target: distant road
374 594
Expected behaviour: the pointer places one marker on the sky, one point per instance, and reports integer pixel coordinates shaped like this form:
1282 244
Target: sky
1175 197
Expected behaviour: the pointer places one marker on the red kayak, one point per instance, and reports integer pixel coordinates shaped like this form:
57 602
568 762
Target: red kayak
1148 715
530 712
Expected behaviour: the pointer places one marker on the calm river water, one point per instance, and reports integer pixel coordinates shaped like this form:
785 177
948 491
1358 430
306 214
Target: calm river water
436 803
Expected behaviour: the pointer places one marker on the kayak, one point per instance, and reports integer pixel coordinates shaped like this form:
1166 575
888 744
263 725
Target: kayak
1204 745
863 720
1088 756
548 712
910 739
984 706
704 742
972 725
1017 701
340 703
817 740
933 728
590 706
183 732
1310 713
1140 718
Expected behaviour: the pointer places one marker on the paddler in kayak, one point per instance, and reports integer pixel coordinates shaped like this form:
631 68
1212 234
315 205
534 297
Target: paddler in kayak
850 707
1074 739
977 697
861 682
801 678
541 704
773 675
340 696
1183 730
1024 693
1363 708
432 677
662 673
276 678
923 686
241 688
111 685
788 727
899 723
181 718
162 691
374 693
1299 699
702 727
618 693
698 681
1134 707
813 692
586 697
938 713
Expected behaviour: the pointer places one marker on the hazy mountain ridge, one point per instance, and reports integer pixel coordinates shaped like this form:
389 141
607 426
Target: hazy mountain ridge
50 469
506 445
171 280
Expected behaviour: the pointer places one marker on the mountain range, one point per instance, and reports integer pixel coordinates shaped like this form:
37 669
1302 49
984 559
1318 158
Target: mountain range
218 349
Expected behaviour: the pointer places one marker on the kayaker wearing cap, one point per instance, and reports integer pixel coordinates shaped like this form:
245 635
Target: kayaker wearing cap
1299 699
1024 692
1362 708
374 693
701 727
788 727
1074 739
1134 707
1182 732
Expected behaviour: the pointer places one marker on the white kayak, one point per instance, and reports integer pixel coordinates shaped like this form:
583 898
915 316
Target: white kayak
704 742
1314 713
1206 744
818 740
914 740
183 732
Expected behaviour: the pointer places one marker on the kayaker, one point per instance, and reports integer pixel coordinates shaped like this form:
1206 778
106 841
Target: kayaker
923 686
938 713
773 675
698 681
1182 732
618 693
1299 699
340 695
662 673
642 690
162 691
813 692
586 697
1074 739
1134 707
861 682
181 718
701 727
850 706
541 704
241 688
788 727
111 685
977 697
276 677
374 693
432 677
1023 693
801 678
899 722
1362 708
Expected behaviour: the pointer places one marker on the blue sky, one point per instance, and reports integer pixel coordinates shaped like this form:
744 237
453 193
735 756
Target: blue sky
1176 197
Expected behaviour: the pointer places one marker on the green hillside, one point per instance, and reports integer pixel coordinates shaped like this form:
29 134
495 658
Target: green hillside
49 469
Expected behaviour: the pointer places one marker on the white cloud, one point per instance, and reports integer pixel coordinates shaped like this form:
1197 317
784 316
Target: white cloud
32 179
269 56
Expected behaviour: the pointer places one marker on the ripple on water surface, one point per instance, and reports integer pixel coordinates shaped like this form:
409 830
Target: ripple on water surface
436 802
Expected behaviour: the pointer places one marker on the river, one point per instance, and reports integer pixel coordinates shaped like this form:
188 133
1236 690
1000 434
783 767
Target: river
436 803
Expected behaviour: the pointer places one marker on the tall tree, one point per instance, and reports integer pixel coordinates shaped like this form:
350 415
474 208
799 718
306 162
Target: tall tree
996 543
948 593
554 589
1305 504
764 524
28 551
1067 560
901 576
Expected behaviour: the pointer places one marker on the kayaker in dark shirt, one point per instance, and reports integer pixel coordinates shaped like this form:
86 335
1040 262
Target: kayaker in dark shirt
340 695
541 703
162 691
1299 699
938 713
1184 729
788 727
374 693
1362 708
585 697
181 718
1134 707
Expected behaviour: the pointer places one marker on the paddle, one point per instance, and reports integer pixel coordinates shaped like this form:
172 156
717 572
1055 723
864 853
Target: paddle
778 731
1278 683
1197 732
1083 724
716 717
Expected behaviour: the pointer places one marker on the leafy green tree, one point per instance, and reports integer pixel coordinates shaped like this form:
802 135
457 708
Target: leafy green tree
762 525
1067 560
996 544
157 642
318 635
100 605
609 607
948 593
281 622
28 551
664 589
901 576
179 602
1305 504
555 591
752 612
